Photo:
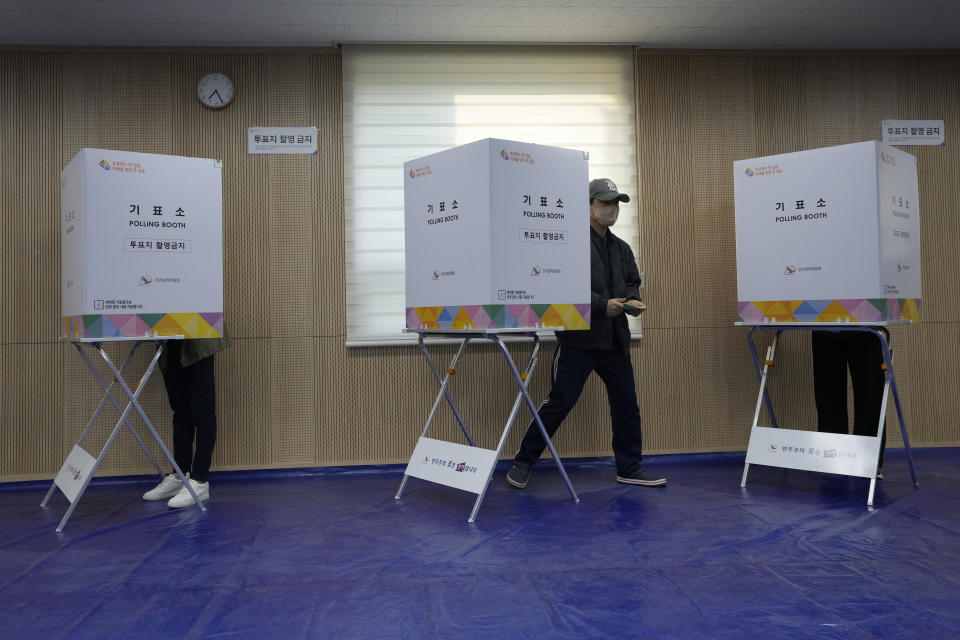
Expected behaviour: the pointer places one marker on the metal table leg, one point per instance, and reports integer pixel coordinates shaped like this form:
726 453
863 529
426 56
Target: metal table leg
132 404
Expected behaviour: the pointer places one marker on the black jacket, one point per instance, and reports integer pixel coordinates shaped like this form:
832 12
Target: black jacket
625 278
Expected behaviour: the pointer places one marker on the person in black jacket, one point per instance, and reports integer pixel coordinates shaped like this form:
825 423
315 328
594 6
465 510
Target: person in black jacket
604 348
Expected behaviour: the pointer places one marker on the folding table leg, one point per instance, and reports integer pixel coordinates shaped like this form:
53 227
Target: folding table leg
536 415
444 392
107 395
767 363
444 386
888 361
525 377
123 417
882 423
143 416
756 365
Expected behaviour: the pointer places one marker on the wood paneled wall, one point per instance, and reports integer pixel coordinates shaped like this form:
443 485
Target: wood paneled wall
291 394
699 113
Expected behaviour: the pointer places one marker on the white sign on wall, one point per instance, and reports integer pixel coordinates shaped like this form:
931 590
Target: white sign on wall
497 236
828 234
282 140
141 245
914 132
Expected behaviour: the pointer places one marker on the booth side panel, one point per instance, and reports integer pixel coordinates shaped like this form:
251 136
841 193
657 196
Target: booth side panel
540 236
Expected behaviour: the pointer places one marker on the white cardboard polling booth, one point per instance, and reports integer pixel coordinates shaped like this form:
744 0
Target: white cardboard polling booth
141 263
497 242
142 245
827 239
828 234
497 237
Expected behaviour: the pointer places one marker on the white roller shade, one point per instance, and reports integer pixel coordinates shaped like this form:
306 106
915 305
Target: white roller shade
403 102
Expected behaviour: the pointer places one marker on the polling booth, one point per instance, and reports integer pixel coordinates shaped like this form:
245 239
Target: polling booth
497 244
829 240
141 263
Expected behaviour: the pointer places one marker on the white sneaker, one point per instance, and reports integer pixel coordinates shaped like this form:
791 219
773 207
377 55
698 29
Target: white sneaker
183 497
168 487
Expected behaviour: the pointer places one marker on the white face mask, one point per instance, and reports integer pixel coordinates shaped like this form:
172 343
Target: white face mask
606 213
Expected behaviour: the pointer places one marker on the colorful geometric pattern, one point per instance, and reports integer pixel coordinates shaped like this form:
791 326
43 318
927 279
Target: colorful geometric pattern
136 325
855 310
501 316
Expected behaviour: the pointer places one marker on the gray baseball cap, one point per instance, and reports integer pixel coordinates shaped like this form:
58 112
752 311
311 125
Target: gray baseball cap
604 189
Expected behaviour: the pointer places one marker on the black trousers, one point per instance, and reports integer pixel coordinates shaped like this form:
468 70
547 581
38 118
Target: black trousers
192 395
571 368
833 353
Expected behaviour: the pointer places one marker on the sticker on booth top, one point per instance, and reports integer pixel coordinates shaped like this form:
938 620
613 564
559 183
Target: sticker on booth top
766 170
117 167
516 156
420 172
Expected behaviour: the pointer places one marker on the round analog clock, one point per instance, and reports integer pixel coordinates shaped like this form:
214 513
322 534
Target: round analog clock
215 90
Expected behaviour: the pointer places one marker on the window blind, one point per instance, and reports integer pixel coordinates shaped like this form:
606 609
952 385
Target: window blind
404 102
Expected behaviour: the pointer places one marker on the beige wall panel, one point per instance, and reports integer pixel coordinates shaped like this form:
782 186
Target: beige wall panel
116 101
336 404
789 381
927 366
30 103
779 96
665 362
728 388
848 97
293 412
31 410
331 259
222 134
293 205
667 205
723 131
244 402
293 233
930 88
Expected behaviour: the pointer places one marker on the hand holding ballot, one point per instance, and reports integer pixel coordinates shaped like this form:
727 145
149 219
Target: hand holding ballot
616 306
634 307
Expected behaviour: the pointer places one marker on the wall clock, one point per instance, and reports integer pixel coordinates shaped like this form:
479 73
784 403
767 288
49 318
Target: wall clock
215 90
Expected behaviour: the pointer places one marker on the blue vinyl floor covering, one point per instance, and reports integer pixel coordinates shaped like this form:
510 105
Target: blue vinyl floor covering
328 553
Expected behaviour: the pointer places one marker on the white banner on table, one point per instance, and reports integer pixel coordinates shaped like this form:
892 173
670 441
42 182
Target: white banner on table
914 132
281 140
74 472
451 464
814 451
